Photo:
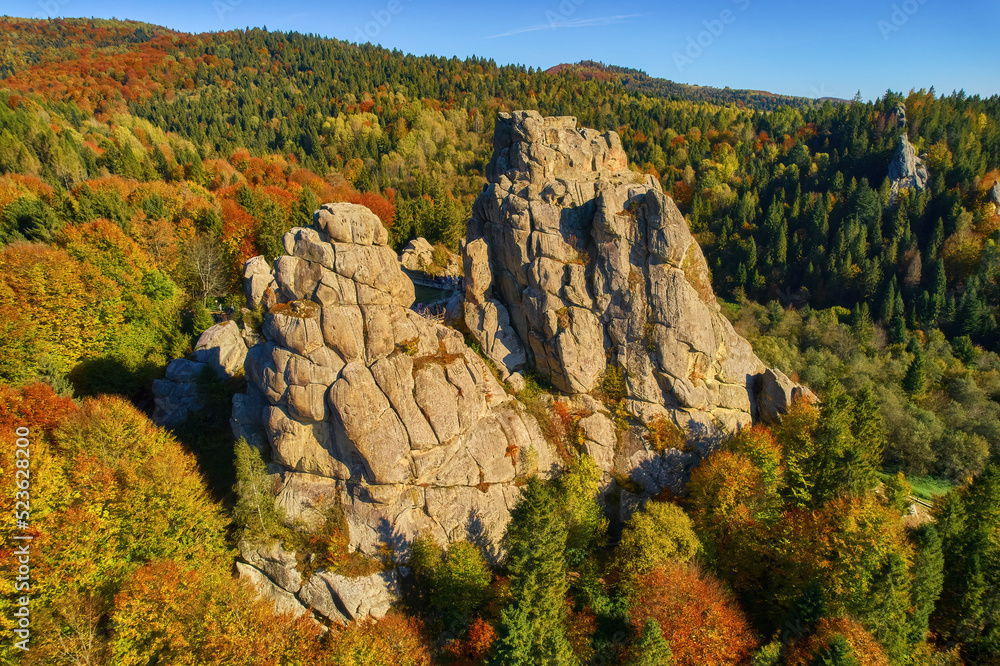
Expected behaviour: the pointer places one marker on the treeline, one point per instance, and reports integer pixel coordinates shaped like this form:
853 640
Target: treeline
939 399
635 80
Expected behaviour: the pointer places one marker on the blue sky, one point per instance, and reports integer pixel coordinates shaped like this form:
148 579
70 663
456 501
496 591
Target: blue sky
784 46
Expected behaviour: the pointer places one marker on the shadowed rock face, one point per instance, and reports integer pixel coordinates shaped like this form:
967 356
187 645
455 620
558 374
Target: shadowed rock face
574 264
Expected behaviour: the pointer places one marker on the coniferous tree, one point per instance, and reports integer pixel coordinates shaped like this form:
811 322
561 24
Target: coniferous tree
928 579
969 608
868 431
885 614
651 649
861 323
915 380
533 626
838 653
255 513
834 465
888 310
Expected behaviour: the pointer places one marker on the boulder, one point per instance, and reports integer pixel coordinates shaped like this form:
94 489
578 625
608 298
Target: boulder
221 350
418 255
776 394
343 599
284 601
274 562
258 283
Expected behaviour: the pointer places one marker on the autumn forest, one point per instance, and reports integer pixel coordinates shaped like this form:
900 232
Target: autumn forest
141 168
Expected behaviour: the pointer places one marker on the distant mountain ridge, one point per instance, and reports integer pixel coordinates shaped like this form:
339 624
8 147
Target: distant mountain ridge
639 81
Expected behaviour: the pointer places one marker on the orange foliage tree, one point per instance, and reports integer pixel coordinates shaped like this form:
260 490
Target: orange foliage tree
808 650
169 613
699 618
395 640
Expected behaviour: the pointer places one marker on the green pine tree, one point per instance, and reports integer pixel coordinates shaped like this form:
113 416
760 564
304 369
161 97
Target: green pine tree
201 319
915 380
255 514
928 579
861 324
969 607
868 430
651 648
832 466
887 603
533 627
838 653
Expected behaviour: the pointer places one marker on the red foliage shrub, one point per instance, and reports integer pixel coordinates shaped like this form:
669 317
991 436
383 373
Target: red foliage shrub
376 203
35 406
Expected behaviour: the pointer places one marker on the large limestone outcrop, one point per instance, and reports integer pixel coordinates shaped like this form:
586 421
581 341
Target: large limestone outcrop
575 264
361 401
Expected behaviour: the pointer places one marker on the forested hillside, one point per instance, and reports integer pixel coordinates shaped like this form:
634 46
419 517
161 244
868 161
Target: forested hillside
141 167
638 81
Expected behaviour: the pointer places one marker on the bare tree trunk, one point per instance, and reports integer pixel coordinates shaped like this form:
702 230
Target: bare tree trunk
205 264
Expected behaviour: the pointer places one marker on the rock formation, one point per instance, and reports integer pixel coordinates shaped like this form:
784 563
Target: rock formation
906 170
574 264
341 599
363 402
995 194
575 268
899 115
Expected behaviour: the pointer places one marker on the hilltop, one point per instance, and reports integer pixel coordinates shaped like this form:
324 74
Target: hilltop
636 80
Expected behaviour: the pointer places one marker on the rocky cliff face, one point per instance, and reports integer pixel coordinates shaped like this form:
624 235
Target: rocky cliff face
359 398
575 264
906 170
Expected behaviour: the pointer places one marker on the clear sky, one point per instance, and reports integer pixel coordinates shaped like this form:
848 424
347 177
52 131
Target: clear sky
813 49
